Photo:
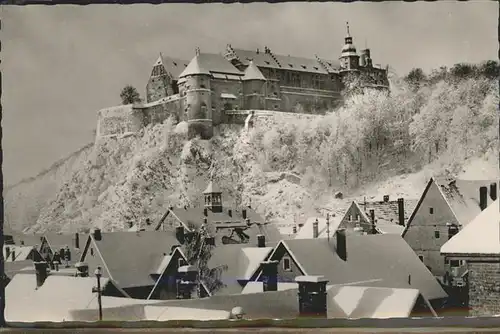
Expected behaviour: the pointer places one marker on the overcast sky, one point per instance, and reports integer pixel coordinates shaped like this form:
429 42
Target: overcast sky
61 64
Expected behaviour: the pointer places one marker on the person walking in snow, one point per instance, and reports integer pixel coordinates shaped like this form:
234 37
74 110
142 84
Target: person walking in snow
67 256
56 259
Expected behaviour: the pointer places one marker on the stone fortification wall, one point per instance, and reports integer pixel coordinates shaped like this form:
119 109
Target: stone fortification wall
127 119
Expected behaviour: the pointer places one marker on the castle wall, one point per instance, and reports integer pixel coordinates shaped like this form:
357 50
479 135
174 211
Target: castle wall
219 104
118 120
301 100
156 88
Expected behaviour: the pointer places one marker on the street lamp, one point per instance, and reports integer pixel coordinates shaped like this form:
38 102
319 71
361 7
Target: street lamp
98 274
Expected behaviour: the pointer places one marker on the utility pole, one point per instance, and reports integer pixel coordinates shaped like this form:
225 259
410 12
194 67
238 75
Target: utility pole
98 274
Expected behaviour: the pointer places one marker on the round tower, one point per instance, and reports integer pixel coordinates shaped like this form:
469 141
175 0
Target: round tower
197 98
253 87
349 59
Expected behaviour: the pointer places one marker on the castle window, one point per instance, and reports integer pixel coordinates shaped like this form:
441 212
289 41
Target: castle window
436 234
431 211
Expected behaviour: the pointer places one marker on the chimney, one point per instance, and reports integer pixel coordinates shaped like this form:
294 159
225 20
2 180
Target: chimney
205 212
230 213
97 234
179 234
341 244
483 197
41 273
261 241
315 229
386 198
493 191
312 296
372 221
82 269
77 241
401 211
210 241
244 213
7 252
270 275
294 229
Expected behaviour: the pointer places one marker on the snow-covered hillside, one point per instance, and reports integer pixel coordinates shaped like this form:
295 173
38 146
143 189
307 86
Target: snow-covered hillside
286 168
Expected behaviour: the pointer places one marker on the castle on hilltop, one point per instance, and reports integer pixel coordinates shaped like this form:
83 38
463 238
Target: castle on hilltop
214 89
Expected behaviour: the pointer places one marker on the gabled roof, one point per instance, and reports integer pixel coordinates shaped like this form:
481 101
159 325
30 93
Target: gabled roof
173 66
208 64
481 236
21 253
462 196
372 260
252 72
131 258
388 212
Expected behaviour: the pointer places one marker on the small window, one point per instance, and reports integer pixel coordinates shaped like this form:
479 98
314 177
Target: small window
436 234
315 68
421 257
431 211
350 217
180 262
357 217
286 264
290 65
303 66
91 251
268 63
175 64
454 263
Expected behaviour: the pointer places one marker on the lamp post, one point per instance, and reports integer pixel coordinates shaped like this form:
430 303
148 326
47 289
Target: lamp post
98 275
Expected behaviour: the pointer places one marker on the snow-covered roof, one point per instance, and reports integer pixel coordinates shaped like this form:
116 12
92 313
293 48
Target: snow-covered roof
254 256
306 231
252 72
194 68
481 236
358 301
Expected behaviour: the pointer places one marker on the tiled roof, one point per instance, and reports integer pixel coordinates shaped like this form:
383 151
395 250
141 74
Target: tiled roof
208 63
195 66
480 236
252 72
132 257
463 197
388 212
174 66
369 257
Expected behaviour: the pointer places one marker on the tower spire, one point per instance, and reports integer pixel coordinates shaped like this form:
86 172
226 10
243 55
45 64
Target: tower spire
348 33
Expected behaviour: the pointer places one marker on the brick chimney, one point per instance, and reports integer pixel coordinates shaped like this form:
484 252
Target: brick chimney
77 241
261 241
315 229
82 269
97 234
40 272
312 296
483 197
386 198
341 243
493 191
372 221
401 211
269 275
179 234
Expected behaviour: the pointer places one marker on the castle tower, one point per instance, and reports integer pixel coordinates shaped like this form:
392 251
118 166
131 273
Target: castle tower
349 59
160 83
253 87
213 198
198 102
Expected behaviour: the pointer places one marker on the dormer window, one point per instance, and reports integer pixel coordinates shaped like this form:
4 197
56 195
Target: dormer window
268 63
303 66
290 65
315 68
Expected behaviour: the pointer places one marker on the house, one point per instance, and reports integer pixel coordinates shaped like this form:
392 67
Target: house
13 253
132 261
478 244
442 209
237 264
378 217
228 224
381 260
55 242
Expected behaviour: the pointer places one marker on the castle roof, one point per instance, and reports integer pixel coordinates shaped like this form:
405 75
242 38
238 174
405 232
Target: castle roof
195 67
252 72
173 66
276 61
